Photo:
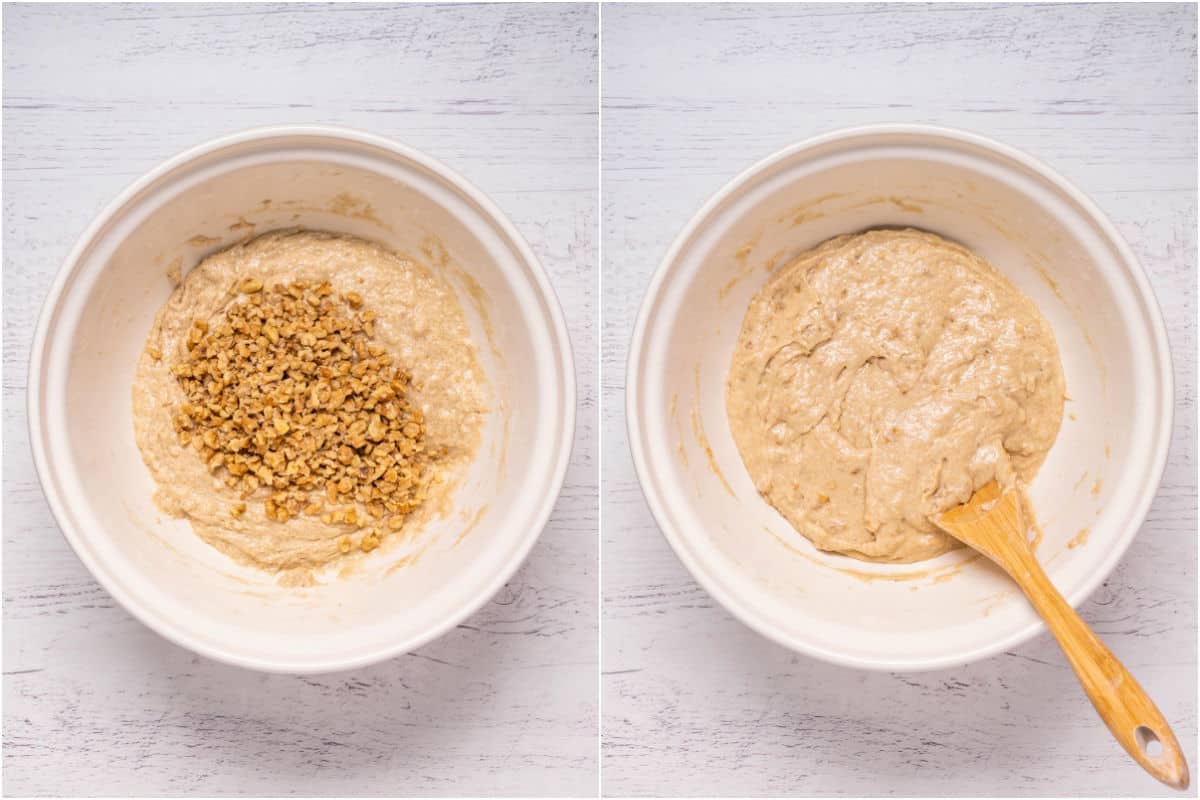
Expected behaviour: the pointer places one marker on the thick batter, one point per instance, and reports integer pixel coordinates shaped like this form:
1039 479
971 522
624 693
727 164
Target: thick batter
881 379
418 321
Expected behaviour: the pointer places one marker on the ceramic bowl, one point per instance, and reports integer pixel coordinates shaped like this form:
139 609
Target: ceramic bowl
94 325
1092 492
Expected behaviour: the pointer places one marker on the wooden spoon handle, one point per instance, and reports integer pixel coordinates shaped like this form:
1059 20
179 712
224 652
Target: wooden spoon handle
1123 705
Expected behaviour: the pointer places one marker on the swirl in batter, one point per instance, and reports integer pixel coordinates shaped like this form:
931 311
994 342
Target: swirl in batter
880 379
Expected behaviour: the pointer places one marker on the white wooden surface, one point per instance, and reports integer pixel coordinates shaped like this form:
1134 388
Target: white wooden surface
94 703
694 702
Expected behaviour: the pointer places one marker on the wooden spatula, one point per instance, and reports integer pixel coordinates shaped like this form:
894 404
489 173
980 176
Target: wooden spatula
991 522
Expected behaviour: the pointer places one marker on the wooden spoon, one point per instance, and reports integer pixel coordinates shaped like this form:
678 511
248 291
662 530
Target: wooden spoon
991 522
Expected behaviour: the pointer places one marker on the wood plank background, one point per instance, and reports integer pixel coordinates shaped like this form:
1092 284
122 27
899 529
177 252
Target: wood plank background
94 703
693 701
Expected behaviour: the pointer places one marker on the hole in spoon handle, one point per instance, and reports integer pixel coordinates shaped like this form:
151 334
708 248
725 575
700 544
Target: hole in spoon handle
1160 754
1148 740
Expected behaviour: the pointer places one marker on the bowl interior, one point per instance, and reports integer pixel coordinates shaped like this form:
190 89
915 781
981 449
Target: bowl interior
1089 495
408 590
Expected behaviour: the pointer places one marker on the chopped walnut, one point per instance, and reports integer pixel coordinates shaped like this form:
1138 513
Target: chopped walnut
289 401
370 541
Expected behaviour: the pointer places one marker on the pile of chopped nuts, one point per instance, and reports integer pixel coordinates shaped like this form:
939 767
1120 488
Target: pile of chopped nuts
288 399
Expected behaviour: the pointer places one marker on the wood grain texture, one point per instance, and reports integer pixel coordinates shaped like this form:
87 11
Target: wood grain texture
992 522
95 703
693 701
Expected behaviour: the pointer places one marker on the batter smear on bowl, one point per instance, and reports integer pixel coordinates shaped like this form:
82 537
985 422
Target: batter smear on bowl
879 380
304 395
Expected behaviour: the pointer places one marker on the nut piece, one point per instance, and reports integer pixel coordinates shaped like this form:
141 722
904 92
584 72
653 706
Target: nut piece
290 402
370 541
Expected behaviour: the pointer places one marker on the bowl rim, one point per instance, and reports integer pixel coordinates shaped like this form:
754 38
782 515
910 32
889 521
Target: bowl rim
541 506
744 611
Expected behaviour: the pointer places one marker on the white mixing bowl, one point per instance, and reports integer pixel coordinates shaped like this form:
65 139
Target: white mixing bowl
1094 489
95 322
